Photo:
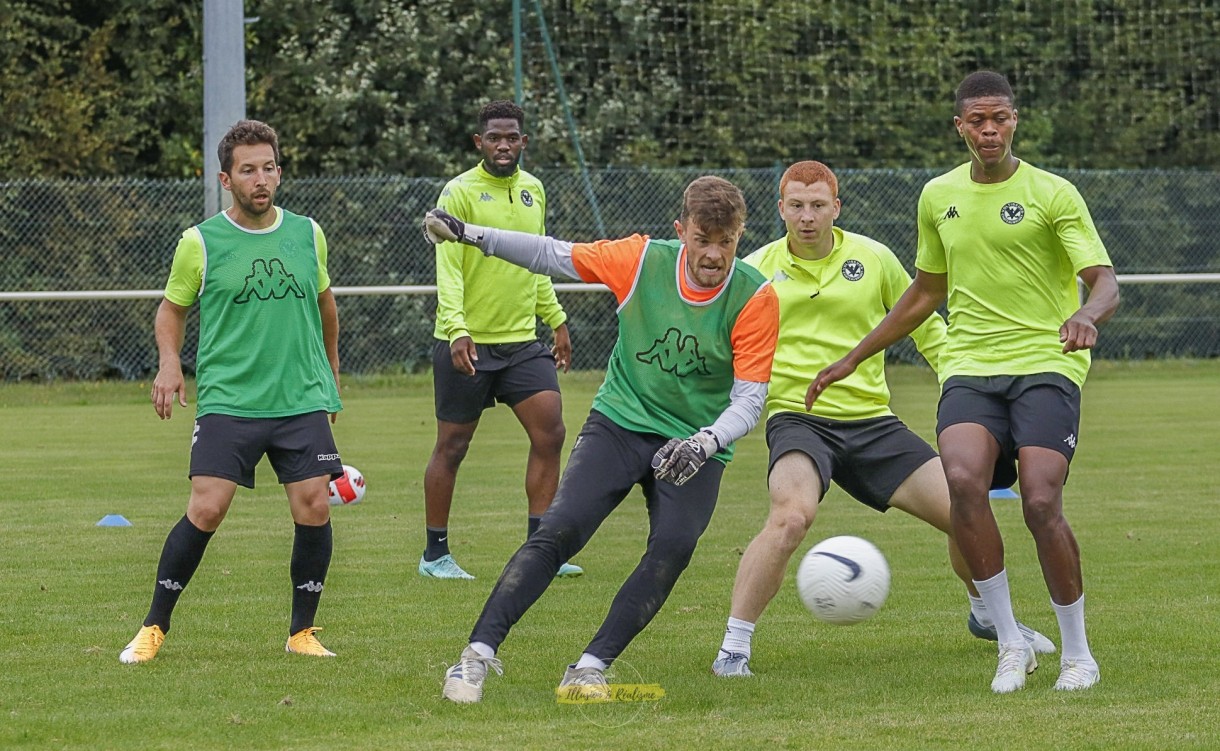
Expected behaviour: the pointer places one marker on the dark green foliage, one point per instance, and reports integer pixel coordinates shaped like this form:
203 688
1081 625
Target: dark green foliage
362 86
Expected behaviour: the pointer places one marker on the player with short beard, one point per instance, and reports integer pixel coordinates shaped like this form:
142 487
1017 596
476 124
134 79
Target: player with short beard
486 348
267 374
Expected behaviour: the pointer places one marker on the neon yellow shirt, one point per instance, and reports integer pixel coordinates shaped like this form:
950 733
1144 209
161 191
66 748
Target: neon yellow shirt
825 308
1011 251
488 299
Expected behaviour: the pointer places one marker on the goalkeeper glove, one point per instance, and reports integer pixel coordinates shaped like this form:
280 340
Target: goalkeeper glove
440 226
678 460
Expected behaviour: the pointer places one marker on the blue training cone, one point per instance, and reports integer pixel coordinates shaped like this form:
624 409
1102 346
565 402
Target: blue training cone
1003 494
114 520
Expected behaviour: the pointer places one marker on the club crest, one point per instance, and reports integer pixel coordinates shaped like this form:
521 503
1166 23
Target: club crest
853 270
1012 212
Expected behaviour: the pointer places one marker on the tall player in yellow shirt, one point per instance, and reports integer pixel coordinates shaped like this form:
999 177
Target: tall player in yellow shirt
486 349
834 287
1003 242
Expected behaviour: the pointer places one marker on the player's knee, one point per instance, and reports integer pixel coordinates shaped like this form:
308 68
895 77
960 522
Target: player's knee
452 450
206 516
964 481
789 527
560 535
676 549
1041 510
549 441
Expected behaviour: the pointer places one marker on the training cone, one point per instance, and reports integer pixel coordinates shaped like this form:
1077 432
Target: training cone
114 520
1003 494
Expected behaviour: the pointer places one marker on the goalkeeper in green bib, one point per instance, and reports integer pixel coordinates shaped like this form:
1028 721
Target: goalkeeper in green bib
1003 243
687 377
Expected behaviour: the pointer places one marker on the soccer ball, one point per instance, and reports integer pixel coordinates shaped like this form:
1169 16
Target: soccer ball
843 580
348 489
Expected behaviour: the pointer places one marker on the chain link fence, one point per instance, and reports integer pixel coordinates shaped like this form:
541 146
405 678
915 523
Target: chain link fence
118 236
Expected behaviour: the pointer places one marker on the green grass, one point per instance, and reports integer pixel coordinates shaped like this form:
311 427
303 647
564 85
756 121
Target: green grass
1143 499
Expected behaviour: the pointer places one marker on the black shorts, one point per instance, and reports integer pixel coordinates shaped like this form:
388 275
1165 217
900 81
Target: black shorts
869 458
298 447
1031 410
505 373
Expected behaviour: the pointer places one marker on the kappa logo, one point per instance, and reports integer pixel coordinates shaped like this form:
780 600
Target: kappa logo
1012 212
952 213
269 280
195 434
311 586
170 584
485 197
853 270
849 563
1070 440
675 353
526 198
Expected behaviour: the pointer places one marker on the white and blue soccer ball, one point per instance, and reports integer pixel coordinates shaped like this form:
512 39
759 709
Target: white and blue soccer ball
348 489
843 580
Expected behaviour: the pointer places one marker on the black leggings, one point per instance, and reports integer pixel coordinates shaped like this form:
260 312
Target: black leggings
606 462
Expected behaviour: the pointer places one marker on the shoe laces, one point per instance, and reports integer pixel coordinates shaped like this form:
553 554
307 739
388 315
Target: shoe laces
732 663
1075 674
473 668
305 641
588 677
447 568
1012 659
148 641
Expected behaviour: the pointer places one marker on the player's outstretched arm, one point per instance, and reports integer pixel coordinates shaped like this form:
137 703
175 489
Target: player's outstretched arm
920 300
170 330
539 254
1080 331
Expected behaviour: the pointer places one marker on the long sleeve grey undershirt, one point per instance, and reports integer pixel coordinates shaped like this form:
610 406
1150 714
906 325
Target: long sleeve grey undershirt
539 254
746 402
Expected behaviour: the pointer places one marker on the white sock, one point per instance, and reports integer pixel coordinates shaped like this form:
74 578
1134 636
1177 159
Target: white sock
1071 630
737 636
589 661
484 650
998 601
979 609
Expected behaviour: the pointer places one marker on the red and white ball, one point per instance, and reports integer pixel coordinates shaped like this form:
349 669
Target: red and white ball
348 489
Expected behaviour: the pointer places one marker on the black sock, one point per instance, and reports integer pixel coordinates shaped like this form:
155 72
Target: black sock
438 543
183 550
311 549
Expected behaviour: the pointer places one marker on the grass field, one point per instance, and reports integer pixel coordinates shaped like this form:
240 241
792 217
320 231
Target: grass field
1144 500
